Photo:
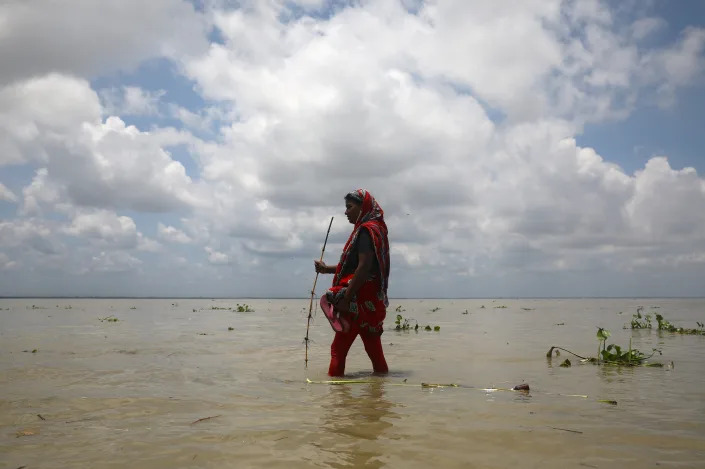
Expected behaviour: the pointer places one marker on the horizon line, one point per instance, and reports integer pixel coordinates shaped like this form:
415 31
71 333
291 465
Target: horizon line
79 297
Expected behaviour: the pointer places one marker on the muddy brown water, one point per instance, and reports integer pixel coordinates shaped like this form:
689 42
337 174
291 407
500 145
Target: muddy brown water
130 393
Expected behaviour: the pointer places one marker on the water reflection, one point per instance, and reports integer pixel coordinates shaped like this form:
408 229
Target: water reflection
355 417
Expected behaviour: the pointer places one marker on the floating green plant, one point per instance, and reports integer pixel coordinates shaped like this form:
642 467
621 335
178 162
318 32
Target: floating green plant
611 354
465 312
108 319
639 321
435 309
231 328
664 325
500 307
404 324
245 308
399 309
602 336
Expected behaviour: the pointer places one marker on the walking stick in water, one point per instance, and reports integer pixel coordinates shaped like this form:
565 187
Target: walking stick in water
313 292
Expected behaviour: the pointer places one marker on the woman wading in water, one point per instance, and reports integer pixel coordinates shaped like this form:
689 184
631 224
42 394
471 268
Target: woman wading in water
359 290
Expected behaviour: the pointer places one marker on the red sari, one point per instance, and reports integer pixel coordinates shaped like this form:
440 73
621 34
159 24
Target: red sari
368 307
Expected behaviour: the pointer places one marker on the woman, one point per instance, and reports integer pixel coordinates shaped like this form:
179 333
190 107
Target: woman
360 284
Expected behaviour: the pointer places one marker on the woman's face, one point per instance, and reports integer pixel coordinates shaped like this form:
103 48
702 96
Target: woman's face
352 211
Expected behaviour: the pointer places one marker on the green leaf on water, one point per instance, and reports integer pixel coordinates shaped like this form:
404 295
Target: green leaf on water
437 328
566 363
602 334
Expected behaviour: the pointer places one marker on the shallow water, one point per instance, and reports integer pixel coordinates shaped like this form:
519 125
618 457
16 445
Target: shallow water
113 394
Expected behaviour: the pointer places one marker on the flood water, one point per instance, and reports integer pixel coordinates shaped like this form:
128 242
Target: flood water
76 391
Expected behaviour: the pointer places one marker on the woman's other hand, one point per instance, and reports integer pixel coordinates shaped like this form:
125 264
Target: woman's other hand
342 306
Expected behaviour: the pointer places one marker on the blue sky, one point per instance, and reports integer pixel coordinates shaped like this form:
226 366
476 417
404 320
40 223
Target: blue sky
651 131
539 149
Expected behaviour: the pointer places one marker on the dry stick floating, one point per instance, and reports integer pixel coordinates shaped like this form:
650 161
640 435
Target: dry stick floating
313 292
205 418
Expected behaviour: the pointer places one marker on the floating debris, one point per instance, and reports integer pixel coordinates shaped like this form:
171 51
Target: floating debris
567 430
27 432
204 418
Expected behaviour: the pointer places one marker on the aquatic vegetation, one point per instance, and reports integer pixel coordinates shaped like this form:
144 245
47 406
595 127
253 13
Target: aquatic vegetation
602 336
219 308
528 309
465 312
500 307
245 308
644 322
110 318
133 307
566 363
399 309
664 325
435 309
639 321
611 354
482 307
231 328
404 324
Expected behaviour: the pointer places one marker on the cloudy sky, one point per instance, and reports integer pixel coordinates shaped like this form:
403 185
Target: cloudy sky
199 148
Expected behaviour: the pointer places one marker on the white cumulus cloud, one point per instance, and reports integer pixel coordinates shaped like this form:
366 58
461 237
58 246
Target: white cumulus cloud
461 117
172 234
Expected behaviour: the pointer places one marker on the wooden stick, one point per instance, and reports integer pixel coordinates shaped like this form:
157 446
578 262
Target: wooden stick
205 418
313 292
